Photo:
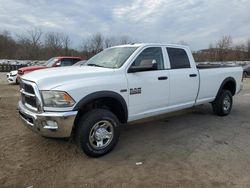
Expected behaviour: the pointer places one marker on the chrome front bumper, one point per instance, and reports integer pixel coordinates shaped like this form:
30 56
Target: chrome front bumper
50 124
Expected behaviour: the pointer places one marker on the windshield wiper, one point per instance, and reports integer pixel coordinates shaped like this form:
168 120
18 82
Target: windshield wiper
94 65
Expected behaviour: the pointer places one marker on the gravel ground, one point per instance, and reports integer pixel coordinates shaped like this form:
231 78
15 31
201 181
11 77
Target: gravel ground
192 148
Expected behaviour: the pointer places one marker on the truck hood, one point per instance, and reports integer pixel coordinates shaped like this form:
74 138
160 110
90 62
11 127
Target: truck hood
13 72
32 68
51 78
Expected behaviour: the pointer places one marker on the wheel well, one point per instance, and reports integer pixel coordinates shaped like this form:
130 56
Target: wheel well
230 86
108 103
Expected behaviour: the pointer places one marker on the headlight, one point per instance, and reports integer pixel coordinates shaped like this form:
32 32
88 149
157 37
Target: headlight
57 99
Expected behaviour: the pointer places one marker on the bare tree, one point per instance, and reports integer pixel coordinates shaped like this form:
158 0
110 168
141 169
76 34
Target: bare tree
66 43
238 52
96 43
248 49
25 49
85 51
223 46
34 45
93 45
225 42
53 42
112 41
31 45
109 41
211 53
8 46
35 37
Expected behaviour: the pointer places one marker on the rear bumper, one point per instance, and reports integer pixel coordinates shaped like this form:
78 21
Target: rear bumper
49 124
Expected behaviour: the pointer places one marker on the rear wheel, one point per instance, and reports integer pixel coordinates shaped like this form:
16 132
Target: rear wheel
222 105
97 132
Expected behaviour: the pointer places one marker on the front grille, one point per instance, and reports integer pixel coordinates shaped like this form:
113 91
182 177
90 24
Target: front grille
28 96
29 89
30 100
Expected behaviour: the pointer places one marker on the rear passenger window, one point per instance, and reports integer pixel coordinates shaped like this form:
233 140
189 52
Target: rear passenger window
178 58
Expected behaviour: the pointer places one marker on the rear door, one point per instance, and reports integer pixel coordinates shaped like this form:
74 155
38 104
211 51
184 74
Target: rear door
184 78
149 89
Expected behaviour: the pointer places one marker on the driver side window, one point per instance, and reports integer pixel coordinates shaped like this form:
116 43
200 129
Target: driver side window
151 58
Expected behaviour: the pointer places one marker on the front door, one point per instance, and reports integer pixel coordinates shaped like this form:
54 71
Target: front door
149 85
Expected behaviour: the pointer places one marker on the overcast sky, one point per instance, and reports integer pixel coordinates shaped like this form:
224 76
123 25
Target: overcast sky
197 22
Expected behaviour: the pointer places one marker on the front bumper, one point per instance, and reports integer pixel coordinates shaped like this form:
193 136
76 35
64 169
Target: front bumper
11 79
62 122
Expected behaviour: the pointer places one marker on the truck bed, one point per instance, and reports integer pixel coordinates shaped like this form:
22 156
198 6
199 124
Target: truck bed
211 78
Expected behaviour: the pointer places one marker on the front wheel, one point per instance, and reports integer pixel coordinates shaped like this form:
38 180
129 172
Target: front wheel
223 103
97 132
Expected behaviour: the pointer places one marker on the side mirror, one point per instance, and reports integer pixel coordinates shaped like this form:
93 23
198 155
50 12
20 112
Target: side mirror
58 64
145 65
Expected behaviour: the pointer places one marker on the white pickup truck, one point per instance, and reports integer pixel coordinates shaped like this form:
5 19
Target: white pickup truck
119 85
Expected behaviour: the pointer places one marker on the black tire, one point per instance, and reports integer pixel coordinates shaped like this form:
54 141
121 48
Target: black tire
223 103
87 133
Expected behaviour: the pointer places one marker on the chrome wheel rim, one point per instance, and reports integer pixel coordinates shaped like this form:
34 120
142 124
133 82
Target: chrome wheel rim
226 103
101 134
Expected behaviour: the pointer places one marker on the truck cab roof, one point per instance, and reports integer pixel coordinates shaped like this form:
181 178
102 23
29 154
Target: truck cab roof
151 44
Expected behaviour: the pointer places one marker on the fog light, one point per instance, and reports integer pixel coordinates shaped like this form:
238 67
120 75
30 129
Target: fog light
50 124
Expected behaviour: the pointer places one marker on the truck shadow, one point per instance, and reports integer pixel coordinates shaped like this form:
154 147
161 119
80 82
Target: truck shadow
147 137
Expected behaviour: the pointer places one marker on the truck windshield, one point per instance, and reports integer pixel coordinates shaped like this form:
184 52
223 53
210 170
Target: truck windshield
111 57
51 62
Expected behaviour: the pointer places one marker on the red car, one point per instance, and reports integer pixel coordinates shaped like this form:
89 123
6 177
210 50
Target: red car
53 62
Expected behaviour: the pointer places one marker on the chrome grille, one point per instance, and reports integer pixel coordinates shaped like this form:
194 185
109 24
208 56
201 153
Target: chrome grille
29 89
29 96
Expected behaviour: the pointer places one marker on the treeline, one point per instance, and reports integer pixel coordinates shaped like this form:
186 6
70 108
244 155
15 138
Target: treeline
224 50
37 45
34 44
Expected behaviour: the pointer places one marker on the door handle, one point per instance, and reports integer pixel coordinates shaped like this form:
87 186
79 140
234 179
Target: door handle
192 75
162 78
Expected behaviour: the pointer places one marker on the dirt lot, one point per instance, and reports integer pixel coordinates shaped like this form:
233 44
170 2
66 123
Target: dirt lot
193 148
